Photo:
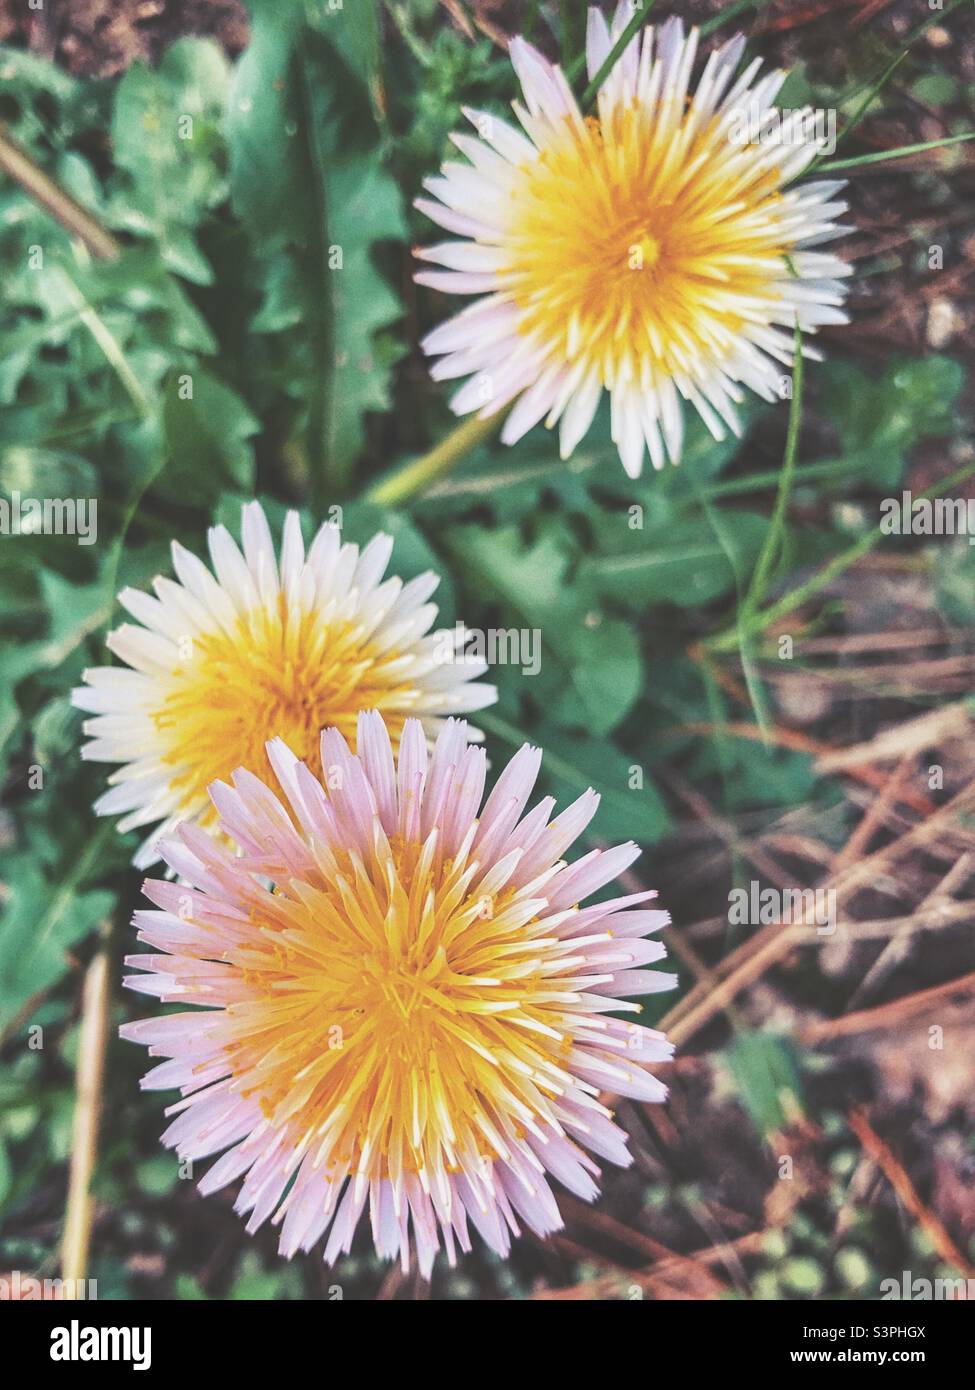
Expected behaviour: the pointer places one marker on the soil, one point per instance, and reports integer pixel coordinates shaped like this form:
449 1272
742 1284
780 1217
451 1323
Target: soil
99 38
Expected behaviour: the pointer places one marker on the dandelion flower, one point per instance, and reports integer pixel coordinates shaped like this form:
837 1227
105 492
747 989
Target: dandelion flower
657 250
221 664
418 1016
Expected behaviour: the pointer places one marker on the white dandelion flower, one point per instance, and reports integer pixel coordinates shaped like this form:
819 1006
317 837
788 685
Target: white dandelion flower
660 250
263 648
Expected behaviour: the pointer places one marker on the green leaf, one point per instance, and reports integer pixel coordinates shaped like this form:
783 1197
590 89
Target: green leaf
165 135
880 418
955 582
630 807
308 183
606 675
677 560
766 1072
365 208
39 472
41 921
158 1175
627 809
254 1283
269 158
589 672
354 31
207 434
754 775
529 579
936 89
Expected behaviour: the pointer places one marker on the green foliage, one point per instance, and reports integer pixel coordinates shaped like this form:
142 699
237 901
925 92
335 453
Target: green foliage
310 187
879 419
955 582
256 334
42 919
766 1073
167 146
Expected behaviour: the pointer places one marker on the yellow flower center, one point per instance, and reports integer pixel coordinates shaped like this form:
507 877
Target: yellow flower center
642 245
282 674
395 1019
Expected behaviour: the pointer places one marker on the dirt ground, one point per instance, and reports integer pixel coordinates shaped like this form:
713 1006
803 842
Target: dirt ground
99 38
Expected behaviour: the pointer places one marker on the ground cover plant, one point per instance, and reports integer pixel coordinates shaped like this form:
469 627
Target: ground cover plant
760 657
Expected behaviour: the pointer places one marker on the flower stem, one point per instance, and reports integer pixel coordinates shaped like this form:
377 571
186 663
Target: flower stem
88 1098
415 477
756 622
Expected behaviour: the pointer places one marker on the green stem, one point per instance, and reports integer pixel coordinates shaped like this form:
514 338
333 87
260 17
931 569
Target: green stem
111 348
758 622
756 692
415 477
571 22
862 109
769 551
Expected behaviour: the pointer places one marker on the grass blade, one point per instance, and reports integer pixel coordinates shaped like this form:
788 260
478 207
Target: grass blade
773 538
637 19
833 165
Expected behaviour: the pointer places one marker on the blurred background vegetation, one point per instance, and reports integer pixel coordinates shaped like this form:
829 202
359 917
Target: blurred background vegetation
190 169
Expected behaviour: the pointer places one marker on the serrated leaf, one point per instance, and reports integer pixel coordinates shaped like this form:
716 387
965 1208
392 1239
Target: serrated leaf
529 579
309 184
165 124
681 562
365 207
40 922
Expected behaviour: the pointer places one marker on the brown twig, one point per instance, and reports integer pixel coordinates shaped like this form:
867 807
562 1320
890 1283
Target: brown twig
900 1180
608 1285
891 1015
88 1097
16 163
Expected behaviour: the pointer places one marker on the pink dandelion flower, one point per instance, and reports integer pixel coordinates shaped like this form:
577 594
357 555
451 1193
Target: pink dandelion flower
418 1017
